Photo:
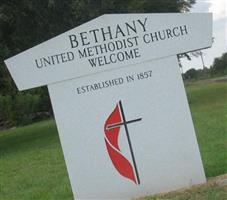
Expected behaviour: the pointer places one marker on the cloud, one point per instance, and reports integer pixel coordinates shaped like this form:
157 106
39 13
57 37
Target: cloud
218 8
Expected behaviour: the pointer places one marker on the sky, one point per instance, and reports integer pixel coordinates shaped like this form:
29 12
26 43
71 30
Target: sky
219 10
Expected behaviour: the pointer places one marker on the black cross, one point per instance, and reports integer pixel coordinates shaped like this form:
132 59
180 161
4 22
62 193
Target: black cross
128 137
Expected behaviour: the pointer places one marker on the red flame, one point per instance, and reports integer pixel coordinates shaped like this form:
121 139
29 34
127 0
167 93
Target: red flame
121 164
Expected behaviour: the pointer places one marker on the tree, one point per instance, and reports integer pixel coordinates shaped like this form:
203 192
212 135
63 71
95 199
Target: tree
26 23
219 66
190 74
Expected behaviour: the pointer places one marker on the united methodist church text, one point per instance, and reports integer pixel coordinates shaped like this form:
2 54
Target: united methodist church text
111 44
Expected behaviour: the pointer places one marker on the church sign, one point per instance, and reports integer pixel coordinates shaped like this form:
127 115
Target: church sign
119 101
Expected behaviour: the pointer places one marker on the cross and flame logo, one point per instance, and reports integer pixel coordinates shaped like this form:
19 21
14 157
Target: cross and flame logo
112 127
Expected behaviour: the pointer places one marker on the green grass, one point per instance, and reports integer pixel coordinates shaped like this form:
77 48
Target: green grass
32 165
208 104
205 192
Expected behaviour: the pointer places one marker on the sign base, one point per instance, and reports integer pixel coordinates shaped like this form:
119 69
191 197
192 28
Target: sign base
127 133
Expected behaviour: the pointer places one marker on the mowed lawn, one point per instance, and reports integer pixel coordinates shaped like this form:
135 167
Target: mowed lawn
208 104
32 164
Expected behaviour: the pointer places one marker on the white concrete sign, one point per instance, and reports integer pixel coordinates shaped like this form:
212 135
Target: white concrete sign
109 42
119 101
127 133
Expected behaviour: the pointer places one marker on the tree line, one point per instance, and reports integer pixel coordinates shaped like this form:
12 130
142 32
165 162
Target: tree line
26 23
218 68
